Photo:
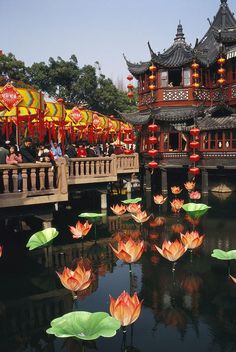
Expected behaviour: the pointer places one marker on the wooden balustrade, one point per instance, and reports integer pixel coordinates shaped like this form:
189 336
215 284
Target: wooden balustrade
127 163
92 170
33 183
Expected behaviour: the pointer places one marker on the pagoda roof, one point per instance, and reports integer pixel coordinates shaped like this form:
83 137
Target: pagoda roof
137 69
222 28
217 123
162 114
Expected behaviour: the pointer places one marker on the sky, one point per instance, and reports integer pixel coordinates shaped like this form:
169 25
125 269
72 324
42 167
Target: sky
100 30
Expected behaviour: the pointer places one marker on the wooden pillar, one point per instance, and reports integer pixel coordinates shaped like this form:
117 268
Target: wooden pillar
164 185
103 201
204 181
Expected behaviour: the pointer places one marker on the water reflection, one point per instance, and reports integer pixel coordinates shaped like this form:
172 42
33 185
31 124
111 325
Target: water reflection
194 309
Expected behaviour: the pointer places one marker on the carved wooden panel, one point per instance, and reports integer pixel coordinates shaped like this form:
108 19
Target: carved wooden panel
175 94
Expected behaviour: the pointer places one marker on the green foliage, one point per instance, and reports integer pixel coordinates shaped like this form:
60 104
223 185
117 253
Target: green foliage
65 79
84 325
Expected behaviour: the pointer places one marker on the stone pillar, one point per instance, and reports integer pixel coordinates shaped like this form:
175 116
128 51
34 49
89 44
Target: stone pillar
164 185
204 181
128 187
103 201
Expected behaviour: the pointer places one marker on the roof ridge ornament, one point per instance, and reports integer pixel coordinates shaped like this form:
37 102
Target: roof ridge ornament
180 34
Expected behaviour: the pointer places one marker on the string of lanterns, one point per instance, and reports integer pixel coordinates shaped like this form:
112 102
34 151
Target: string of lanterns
195 75
152 78
130 87
194 145
152 141
221 71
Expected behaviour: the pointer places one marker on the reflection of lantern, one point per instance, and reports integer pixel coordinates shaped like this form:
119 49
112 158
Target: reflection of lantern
195 75
152 140
221 71
194 144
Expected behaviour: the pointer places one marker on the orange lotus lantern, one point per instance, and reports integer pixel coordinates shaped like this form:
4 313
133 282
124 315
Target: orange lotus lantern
140 217
190 185
80 230
192 239
118 209
176 205
159 199
172 250
125 309
129 251
134 208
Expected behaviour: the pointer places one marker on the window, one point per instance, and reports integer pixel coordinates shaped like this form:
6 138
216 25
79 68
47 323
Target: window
187 75
164 78
175 77
173 141
213 140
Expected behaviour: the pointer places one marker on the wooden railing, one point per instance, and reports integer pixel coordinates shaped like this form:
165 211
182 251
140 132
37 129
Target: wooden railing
33 183
127 163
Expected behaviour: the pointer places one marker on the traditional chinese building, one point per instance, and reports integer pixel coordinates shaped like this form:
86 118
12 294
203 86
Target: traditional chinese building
186 87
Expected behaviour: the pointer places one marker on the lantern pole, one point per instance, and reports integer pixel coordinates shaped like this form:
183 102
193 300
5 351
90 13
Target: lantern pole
17 128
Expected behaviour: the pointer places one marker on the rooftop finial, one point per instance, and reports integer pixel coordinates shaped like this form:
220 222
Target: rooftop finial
223 1
179 35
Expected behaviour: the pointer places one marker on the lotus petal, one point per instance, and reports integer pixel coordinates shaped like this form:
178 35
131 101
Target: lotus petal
42 238
84 325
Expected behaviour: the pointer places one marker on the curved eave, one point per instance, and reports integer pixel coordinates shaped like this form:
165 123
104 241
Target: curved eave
137 69
136 118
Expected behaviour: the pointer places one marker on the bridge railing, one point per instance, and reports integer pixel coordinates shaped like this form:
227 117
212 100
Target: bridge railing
91 170
33 183
127 163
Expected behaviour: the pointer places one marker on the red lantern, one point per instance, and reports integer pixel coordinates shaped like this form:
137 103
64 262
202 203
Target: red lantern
130 95
153 165
128 140
194 144
221 80
152 78
127 130
195 66
152 140
196 85
195 75
152 87
129 77
152 128
221 61
221 71
127 151
153 152
152 68
194 131
194 158
130 86
194 171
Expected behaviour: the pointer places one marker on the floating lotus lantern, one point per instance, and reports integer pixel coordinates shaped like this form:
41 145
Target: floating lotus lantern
190 185
176 205
141 217
125 309
84 325
195 195
76 280
221 71
129 251
80 230
192 239
118 209
134 208
172 251
176 190
159 199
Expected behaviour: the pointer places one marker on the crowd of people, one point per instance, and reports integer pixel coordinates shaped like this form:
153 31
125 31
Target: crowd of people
29 152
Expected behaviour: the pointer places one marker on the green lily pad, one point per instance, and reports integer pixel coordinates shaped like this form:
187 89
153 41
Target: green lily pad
42 238
195 210
131 200
222 255
91 215
84 325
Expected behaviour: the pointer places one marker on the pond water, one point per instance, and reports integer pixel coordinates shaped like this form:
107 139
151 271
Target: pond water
193 308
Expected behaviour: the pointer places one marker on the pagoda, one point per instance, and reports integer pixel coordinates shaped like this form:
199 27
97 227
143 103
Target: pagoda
189 87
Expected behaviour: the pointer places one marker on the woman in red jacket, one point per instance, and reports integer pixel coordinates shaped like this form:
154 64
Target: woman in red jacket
81 152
